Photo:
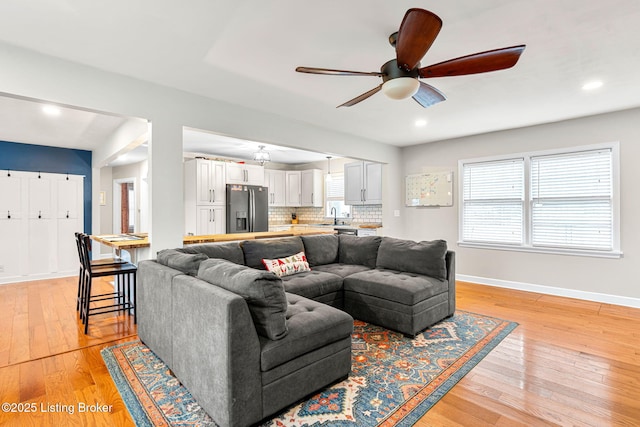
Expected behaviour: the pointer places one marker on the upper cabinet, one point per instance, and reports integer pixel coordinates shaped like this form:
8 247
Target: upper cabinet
276 181
240 173
363 183
204 182
312 188
294 188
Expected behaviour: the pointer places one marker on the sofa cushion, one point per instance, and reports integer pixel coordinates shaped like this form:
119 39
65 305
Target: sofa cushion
312 284
426 258
359 250
321 248
262 290
187 263
312 325
342 270
256 250
287 266
231 251
402 287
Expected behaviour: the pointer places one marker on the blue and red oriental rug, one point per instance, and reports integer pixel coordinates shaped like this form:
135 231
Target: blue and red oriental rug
394 380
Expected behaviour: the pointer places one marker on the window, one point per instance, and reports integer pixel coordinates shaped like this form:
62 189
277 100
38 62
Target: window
561 201
334 196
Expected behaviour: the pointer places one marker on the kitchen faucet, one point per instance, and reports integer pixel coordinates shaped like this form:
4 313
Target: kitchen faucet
334 211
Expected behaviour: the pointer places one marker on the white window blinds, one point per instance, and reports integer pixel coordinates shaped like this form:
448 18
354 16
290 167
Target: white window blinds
572 200
493 201
335 187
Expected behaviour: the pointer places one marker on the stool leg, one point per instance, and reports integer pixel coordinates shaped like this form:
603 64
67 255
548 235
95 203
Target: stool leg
87 298
135 301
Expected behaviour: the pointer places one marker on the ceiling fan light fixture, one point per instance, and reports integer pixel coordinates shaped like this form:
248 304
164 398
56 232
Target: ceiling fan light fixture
401 87
261 155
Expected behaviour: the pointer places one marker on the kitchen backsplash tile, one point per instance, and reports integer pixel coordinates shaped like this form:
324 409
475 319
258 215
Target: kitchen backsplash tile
359 214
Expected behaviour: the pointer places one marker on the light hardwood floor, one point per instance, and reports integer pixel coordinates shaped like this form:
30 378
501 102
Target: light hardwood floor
569 362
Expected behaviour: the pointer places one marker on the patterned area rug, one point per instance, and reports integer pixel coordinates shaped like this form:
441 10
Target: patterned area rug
394 380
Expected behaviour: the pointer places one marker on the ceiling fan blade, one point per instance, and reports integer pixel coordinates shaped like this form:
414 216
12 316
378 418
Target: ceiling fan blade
331 72
482 62
417 33
428 95
362 97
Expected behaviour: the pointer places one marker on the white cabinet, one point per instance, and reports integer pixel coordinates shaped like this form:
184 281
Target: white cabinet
240 173
204 196
311 182
210 220
276 181
204 182
40 212
363 183
294 188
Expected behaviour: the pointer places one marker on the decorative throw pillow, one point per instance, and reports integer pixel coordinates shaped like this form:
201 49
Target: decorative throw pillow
286 266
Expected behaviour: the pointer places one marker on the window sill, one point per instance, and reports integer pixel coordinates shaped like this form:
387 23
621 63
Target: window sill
555 251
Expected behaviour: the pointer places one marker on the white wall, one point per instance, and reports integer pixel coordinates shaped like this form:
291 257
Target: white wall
613 280
30 74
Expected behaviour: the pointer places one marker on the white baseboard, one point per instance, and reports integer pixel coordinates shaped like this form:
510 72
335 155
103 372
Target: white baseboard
18 279
551 290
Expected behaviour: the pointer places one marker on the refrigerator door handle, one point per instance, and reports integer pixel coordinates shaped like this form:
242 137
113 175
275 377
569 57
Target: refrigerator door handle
251 202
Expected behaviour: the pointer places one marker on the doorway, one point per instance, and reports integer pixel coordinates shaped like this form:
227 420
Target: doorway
124 206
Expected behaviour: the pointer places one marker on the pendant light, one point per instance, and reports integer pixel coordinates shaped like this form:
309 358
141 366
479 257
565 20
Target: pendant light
328 177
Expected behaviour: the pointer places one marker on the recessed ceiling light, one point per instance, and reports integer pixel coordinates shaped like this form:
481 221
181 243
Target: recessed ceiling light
592 85
51 110
421 123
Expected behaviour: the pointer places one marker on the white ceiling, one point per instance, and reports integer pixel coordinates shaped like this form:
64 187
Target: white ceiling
245 52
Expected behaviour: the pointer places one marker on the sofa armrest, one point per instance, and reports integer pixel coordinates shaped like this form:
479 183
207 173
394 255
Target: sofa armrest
216 351
450 261
153 310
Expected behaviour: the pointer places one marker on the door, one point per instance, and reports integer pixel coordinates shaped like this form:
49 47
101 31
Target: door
204 171
311 183
254 175
353 183
210 220
259 209
373 183
235 173
276 182
294 188
237 208
218 183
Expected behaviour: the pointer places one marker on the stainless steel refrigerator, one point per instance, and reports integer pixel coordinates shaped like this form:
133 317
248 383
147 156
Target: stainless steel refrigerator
247 208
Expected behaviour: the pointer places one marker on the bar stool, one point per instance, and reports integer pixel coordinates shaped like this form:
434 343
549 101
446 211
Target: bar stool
95 263
124 297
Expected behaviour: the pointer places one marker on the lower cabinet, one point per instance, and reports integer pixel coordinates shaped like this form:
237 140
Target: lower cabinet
205 220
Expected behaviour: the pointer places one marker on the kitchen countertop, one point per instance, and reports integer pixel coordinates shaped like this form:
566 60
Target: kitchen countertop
330 224
141 240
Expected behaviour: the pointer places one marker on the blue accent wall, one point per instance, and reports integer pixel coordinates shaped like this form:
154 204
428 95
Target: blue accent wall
40 158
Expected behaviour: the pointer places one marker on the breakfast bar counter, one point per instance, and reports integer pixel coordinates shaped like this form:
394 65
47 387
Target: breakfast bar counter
134 241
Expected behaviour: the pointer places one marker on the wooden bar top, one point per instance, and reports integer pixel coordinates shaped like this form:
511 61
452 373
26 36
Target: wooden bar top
141 240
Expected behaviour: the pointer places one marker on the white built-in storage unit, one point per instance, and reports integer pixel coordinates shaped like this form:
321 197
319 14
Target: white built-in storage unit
363 183
295 188
275 180
204 196
39 216
312 188
240 173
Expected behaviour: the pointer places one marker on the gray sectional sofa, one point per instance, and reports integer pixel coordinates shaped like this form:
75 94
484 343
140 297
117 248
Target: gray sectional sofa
247 343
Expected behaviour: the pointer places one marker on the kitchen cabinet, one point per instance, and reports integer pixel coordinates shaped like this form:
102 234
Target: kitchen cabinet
204 196
293 188
275 180
205 181
240 173
363 183
311 188
210 220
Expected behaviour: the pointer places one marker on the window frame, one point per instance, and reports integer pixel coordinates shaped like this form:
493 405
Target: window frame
527 245
327 199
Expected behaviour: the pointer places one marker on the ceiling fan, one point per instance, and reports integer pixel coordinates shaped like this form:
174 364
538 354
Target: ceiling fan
417 32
